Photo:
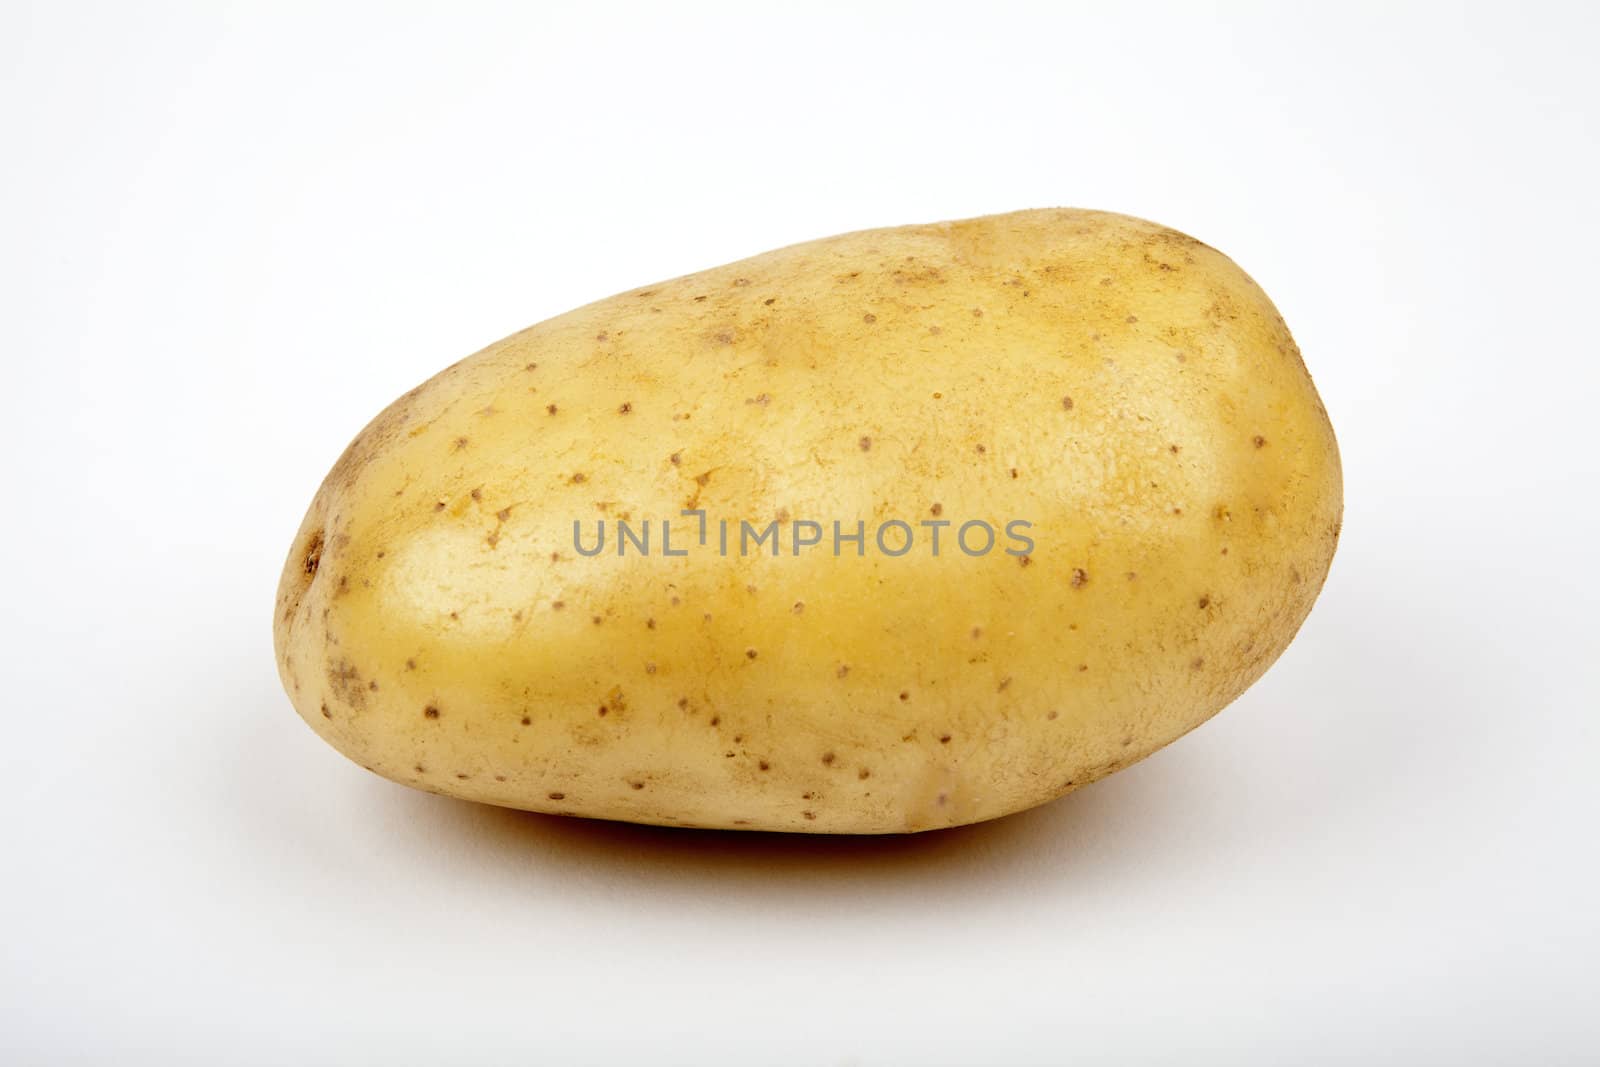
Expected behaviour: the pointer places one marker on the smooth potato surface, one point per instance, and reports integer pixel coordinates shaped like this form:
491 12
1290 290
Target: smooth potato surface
1125 389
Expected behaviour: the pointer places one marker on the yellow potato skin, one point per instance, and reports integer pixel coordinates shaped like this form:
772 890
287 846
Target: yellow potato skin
1125 388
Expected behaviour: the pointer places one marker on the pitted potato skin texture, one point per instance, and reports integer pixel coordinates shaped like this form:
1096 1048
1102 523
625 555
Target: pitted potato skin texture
1125 388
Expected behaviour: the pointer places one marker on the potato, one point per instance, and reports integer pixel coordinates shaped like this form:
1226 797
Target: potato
1116 404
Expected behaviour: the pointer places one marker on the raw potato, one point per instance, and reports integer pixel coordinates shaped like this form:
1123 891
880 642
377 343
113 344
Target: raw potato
1126 389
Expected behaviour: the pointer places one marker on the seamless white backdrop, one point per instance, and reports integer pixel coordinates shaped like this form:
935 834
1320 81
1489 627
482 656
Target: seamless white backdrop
231 233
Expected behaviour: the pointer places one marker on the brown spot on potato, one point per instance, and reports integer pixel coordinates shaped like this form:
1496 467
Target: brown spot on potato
326 714
550 408
312 557
1066 403
1204 603
764 765
1052 715
863 774
827 759
526 721
809 814
460 443
1258 441
869 318
556 796
944 739
865 444
1080 578
843 670
750 653
799 607
1197 663
936 510
625 408
430 712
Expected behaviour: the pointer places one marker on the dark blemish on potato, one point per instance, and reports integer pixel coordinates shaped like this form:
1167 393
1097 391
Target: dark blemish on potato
1204 602
1024 560
477 494
764 765
977 632
527 721
724 337
698 299
344 584
531 366
499 777
1197 663
827 759
982 449
1126 741
603 712
702 480
1082 667
905 694
430 712
627 406
558 605
1174 449
1052 715
440 505
411 664
649 668
865 444
516 616
650 624
460 443
463 777
675 601
602 336
869 318
1066 403
550 408
750 589
937 509
760 399
596 619
420 769
750 653
739 283
1013 472
716 720
456 616
977 313
1131 575
938 396
1005 683
1132 318
1224 550
637 785
373 685
769 301
313 554
799 607
809 814
944 739
503 514
1258 441
381 554
676 458
579 478
863 774
1080 577
1177 511
326 714
844 669
942 798
556 796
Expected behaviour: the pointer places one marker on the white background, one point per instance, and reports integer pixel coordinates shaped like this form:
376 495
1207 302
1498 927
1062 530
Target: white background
229 235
